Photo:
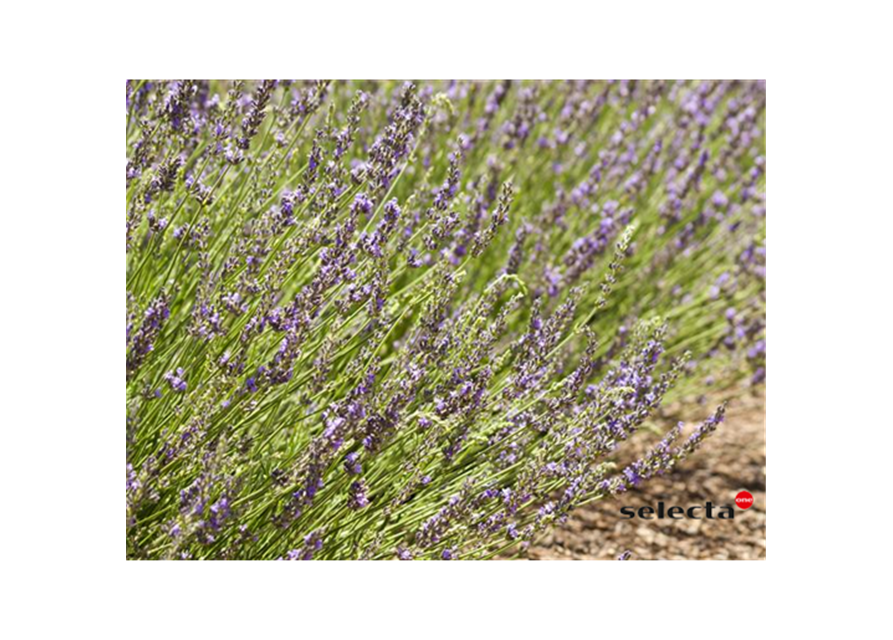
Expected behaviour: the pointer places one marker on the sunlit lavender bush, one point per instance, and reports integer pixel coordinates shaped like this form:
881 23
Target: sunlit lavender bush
391 320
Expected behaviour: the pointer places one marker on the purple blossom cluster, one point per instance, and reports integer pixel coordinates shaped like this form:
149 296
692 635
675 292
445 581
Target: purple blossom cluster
141 340
254 116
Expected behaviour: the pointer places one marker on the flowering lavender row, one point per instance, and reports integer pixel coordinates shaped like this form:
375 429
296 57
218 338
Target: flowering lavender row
388 320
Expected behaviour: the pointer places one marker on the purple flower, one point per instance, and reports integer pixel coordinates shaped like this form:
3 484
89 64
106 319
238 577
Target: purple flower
361 204
143 341
176 379
632 475
352 464
252 121
391 211
357 498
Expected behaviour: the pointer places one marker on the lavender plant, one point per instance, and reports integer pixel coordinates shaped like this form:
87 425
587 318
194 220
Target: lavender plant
389 320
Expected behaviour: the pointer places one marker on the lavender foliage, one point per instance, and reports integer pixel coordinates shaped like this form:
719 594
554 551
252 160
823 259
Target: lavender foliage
418 320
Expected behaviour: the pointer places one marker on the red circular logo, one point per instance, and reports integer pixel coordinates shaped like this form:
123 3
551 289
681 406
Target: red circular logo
744 500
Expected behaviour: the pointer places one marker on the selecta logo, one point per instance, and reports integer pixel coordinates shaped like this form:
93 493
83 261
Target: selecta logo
744 500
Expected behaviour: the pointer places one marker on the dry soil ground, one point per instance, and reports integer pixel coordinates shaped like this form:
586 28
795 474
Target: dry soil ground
733 459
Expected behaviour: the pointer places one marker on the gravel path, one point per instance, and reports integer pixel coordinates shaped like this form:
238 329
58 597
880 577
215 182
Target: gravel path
733 459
